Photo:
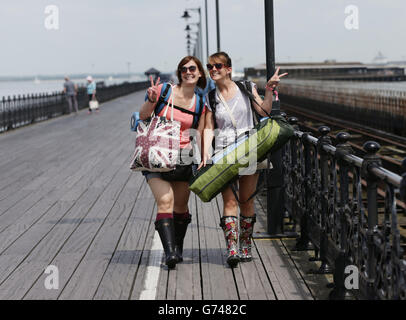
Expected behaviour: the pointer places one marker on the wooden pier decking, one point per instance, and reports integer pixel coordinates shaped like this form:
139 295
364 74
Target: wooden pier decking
68 199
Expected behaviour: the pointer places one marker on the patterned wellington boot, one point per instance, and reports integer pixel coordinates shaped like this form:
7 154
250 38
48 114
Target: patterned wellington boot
181 223
246 230
229 226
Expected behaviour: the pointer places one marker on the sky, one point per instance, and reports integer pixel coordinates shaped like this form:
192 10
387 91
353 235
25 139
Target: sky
102 36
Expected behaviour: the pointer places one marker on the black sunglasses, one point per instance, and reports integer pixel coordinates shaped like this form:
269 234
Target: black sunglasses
191 69
217 65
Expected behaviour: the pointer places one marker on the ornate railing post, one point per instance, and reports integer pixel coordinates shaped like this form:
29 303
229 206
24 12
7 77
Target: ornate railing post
400 271
304 242
292 175
403 183
371 159
9 113
344 212
324 179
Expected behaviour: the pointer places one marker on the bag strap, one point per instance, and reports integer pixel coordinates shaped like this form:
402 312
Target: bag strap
163 98
172 98
233 187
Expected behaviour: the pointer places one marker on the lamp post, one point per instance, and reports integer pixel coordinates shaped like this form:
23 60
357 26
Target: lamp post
275 183
207 31
218 25
199 48
186 16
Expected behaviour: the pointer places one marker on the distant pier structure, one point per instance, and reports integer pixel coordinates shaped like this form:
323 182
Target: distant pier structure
165 77
152 72
332 70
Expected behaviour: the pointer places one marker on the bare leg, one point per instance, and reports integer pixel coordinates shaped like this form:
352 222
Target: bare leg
181 196
247 186
163 194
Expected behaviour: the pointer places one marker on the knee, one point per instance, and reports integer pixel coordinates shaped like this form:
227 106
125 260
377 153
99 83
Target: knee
165 203
230 204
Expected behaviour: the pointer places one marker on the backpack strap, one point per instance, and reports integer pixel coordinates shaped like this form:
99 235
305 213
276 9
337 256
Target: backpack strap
163 98
213 104
199 110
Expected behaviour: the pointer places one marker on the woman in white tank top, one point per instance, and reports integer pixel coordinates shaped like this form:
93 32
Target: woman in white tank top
234 115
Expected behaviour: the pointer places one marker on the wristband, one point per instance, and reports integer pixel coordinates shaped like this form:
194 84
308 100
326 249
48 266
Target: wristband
269 88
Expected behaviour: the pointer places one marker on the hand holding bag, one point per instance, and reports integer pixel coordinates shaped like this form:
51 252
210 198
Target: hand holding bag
94 104
157 143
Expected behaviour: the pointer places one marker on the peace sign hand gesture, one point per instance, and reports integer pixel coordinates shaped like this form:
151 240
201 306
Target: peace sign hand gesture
275 79
153 90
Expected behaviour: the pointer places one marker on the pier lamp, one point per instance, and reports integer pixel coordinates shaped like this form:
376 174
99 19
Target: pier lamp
186 16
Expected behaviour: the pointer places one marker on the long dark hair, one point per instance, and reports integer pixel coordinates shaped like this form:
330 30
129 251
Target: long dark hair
202 80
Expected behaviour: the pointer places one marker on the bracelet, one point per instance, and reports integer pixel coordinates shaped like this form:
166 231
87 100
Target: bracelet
150 100
269 88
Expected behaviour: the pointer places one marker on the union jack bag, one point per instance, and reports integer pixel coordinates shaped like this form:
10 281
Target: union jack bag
157 143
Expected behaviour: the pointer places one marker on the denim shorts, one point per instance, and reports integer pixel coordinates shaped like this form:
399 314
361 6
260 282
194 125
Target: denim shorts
149 175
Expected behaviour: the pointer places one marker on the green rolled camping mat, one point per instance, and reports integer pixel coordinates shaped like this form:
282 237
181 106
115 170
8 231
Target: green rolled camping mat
268 136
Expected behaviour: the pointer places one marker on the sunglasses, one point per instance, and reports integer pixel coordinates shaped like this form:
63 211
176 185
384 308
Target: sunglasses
191 69
217 65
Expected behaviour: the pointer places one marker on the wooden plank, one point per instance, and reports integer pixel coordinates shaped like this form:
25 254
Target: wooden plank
123 269
188 272
260 210
97 241
196 250
272 275
139 283
218 280
18 224
58 175
180 280
256 283
78 244
286 282
16 284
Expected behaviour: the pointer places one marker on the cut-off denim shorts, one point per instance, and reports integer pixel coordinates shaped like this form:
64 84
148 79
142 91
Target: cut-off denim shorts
149 175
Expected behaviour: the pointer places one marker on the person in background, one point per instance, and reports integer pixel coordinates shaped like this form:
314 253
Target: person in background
70 90
91 91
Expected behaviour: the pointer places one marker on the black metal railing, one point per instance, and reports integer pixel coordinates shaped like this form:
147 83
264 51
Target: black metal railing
22 110
348 213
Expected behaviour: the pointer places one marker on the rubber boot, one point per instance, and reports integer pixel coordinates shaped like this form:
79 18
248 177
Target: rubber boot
246 231
166 232
181 225
229 226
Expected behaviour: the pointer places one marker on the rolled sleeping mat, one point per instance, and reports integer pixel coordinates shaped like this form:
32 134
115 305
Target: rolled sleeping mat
135 119
268 136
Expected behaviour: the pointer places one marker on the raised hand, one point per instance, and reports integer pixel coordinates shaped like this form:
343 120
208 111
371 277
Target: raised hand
275 79
153 90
